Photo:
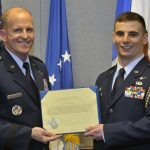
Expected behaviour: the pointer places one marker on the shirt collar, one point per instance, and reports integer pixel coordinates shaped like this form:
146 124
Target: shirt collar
130 66
17 59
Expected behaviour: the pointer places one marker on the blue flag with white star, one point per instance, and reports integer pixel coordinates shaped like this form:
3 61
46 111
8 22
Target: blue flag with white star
58 61
58 57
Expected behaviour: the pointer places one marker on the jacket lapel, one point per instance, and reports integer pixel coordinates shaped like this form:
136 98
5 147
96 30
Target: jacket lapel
38 75
131 79
108 85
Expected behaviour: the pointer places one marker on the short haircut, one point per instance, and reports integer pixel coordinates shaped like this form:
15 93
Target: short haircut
3 19
131 16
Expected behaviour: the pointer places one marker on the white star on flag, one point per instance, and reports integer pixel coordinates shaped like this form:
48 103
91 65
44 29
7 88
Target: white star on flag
52 79
60 64
66 56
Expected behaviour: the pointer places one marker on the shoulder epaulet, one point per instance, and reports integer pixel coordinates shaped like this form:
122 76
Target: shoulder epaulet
110 70
36 58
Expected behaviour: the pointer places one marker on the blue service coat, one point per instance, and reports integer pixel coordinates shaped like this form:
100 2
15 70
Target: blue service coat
20 109
126 116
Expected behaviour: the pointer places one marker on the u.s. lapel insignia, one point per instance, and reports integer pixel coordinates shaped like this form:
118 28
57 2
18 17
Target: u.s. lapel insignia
41 73
100 91
16 110
139 83
33 64
12 66
142 78
136 71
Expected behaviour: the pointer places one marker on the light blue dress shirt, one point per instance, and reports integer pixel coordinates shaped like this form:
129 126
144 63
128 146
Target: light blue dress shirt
20 63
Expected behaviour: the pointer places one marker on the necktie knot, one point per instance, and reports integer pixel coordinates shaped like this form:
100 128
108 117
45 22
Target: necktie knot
121 72
26 65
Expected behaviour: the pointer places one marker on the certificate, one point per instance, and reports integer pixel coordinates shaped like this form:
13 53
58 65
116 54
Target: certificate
70 111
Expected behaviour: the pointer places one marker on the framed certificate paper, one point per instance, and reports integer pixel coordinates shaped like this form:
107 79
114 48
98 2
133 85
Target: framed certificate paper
70 111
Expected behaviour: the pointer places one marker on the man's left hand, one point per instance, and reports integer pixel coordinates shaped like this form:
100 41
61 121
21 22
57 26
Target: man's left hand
95 131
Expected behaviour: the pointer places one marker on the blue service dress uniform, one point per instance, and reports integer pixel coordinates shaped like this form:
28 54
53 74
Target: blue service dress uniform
126 116
20 109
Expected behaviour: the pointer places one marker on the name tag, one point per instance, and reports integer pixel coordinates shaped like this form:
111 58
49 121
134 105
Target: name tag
16 95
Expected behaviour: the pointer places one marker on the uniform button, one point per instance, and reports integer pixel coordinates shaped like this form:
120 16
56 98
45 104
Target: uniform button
111 111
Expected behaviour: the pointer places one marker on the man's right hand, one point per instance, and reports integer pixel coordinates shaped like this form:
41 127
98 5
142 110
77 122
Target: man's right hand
42 135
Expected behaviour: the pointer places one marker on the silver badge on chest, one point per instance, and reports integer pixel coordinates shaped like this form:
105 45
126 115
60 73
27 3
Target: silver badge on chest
16 110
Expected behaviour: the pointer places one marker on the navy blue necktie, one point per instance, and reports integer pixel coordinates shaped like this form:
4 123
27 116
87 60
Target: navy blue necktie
118 81
29 78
